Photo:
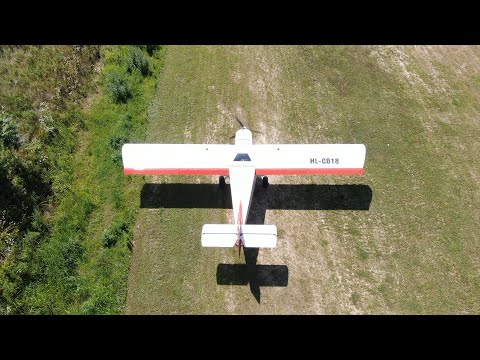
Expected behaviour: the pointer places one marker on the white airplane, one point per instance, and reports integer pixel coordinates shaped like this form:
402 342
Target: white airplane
242 163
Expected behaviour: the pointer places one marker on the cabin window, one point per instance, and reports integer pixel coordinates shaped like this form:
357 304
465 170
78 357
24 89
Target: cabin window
242 157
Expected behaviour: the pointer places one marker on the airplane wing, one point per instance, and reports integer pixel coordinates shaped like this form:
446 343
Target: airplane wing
307 159
177 159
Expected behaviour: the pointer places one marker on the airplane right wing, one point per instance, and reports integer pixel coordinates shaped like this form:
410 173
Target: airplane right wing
309 159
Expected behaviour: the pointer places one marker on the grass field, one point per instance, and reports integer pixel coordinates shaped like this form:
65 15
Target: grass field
66 209
402 239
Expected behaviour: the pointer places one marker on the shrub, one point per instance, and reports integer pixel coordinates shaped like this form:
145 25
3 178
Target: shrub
111 236
138 61
8 132
94 306
64 256
116 143
150 49
118 87
8 237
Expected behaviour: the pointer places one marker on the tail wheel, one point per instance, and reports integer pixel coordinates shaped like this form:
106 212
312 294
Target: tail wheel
221 182
265 181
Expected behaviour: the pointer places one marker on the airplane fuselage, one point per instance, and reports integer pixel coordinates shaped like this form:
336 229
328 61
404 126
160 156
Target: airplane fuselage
242 176
242 181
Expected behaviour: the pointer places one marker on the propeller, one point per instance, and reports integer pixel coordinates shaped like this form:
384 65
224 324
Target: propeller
241 124
244 127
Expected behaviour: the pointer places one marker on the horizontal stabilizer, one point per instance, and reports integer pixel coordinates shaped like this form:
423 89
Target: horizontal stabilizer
252 236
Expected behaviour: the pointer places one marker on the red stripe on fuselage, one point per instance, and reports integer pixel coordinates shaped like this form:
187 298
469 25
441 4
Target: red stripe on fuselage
212 171
309 171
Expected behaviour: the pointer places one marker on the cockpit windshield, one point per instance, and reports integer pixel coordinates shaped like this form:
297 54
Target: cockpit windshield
242 157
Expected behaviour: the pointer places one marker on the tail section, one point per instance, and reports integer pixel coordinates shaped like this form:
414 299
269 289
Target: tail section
259 236
248 236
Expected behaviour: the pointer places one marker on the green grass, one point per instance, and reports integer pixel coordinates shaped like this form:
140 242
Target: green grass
355 298
413 251
101 280
78 262
42 91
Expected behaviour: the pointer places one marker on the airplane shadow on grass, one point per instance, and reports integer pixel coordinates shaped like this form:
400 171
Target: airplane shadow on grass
278 197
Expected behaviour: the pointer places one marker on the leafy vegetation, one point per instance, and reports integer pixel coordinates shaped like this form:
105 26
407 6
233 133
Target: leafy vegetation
118 87
66 208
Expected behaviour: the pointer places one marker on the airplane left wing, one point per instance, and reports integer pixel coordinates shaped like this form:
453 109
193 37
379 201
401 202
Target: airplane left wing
177 159
309 159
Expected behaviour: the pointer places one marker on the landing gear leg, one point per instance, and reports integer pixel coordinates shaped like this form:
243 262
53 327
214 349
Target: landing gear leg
221 182
265 182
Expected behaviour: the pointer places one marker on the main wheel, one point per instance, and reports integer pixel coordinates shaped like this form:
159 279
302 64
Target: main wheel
265 181
221 182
